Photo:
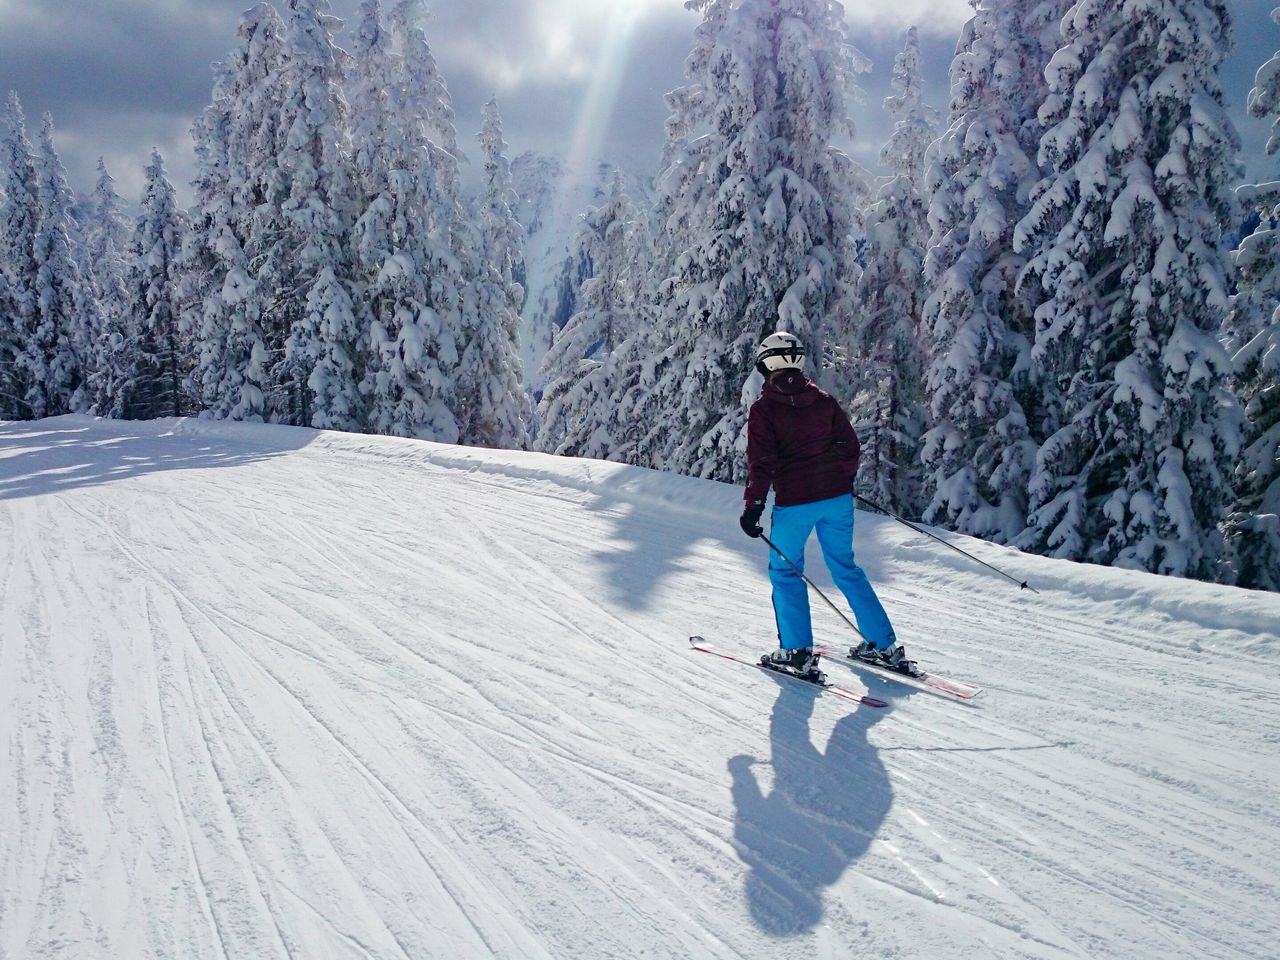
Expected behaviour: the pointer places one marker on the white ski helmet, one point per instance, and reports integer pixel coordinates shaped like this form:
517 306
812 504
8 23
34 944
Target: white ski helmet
779 351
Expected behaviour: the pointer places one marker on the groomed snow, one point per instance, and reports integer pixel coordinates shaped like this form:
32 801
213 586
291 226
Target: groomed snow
267 692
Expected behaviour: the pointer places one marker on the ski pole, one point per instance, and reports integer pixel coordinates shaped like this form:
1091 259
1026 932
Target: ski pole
797 569
875 506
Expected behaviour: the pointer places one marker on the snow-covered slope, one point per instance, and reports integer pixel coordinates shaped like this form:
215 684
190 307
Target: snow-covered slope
266 692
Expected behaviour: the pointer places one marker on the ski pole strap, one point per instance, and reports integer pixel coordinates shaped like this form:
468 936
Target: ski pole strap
875 506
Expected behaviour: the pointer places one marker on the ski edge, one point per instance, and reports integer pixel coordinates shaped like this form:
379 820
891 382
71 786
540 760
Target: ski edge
702 646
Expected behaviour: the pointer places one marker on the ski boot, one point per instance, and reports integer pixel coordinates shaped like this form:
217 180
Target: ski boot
893 657
800 661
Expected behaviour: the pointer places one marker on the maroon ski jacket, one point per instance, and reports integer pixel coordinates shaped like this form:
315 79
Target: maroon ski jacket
799 442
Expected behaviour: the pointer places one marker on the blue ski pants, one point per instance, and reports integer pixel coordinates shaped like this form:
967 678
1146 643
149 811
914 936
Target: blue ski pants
789 530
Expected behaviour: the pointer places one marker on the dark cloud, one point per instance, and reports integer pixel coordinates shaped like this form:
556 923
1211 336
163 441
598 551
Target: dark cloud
121 76
83 57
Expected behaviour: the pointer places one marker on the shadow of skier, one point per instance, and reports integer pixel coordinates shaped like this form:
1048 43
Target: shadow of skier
821 815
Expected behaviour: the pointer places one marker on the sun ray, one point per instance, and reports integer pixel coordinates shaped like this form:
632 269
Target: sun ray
598 101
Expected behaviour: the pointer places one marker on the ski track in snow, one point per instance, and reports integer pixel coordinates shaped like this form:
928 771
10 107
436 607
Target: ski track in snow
277 694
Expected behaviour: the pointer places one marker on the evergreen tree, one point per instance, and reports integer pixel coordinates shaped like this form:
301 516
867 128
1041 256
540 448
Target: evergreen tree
60 347
162 354
546 311
446 242
8 350
403 238
267 280
1124 265
886 346
629 369
979 449
1253 333
493 409
18 270
427 93
323 360
231 308
372 77
1254 523
555 266
106 238
578 407
756 213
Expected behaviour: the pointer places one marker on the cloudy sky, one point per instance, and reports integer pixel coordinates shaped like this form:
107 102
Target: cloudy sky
574 78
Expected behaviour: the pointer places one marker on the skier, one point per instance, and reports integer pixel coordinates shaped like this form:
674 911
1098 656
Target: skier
801 443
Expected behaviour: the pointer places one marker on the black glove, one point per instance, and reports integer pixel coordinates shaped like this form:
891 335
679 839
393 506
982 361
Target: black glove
750 520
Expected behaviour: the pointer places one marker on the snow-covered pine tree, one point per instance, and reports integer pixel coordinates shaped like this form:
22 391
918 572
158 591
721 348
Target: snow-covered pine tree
162 353
8 349
106 249
18 220
886 344
1253 527
372 75
756 208
238 226
578 407
550 304
618 427
371 81
106 234
547 192
1253 335
1257 266
493 408
402 238
1131 284
323 361
60 349
979 448
428 93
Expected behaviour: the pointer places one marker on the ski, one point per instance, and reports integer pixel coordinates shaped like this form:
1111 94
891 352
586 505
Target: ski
929 682
699 644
